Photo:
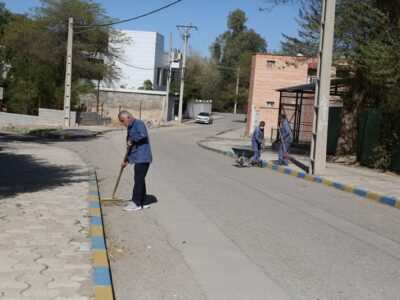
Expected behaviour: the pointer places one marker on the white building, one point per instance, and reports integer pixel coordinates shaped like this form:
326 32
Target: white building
142 58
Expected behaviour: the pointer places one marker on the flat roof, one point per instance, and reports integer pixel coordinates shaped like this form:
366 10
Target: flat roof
310 87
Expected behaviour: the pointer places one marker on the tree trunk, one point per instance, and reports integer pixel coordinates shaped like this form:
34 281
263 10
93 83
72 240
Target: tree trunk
347 142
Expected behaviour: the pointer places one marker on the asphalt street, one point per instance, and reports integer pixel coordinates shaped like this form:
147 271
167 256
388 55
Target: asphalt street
216 231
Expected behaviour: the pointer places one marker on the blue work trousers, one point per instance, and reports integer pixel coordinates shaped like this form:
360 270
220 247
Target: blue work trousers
139 188
281 151
257 153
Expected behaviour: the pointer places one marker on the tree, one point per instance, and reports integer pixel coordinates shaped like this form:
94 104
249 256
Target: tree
147 85
233 50
35 51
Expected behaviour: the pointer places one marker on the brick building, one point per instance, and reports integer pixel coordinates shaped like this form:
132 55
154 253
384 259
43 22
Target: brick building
270 72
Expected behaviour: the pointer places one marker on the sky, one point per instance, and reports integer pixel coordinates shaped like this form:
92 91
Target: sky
210 17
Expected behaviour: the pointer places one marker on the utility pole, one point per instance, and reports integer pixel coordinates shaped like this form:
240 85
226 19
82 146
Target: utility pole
322 90
237 90
186 36
166 102
68 75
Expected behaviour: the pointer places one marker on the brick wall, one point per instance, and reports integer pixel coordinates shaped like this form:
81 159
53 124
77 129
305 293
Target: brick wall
269 73
147 105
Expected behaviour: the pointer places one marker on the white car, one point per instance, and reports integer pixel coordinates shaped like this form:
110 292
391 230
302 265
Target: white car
204 117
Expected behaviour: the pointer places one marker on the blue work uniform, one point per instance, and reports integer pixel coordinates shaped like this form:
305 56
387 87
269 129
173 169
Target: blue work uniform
141 156
287 137
256 142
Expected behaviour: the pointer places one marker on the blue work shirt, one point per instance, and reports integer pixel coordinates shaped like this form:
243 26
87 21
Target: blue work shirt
138 136
258 137
286 132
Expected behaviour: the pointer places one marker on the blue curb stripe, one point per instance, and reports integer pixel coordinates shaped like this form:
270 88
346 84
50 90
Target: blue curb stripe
318 179
98 242
96 220
288 171
94 204
102 276
388 200
301 175
96 193
93 183
361 192
338 185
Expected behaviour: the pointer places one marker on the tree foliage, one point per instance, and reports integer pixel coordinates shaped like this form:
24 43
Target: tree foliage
231 52
34 50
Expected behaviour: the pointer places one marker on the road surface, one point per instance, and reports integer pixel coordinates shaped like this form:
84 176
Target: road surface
220 232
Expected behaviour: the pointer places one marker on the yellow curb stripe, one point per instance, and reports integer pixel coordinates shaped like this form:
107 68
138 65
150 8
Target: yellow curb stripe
349 189
327 182
93 198
309 177
97 230
103 293
397 205
374 196
100 258
95 212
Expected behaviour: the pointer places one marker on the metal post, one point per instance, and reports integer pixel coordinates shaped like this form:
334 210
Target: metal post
322 90
237 91
68 75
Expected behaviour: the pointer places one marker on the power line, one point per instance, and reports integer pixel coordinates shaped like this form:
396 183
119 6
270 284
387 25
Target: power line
130 19
132 66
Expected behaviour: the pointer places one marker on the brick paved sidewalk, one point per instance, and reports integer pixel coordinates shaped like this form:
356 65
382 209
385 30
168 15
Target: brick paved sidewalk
44 239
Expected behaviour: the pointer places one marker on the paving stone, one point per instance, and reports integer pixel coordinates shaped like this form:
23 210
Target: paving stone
7 263
9 281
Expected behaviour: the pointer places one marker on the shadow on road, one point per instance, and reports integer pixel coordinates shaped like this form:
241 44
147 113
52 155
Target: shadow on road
20 173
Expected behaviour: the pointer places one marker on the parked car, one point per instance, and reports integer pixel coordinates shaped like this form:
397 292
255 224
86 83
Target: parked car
204 117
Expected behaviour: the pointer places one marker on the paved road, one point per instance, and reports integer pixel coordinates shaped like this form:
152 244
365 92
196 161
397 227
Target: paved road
219 232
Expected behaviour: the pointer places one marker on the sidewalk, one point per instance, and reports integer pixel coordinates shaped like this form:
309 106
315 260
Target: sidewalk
45 243
380 186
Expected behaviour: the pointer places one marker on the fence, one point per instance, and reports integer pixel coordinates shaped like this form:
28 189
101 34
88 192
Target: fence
368 138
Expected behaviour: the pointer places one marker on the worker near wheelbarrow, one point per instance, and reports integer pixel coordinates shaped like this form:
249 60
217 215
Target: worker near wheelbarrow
138 143
257 141
286 138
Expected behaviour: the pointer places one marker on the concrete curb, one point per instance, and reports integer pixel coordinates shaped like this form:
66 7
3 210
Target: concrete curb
101 267
391 201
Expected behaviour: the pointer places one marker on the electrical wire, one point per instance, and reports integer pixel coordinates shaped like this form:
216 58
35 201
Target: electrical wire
132 66
130 19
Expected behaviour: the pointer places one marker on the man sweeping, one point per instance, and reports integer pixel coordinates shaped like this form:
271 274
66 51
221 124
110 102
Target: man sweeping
138 143
286 140
257 141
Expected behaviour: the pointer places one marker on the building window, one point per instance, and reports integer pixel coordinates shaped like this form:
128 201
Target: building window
270 64
270 103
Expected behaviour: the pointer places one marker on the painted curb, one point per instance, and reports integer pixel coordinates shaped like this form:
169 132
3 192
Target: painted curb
103 288
388 200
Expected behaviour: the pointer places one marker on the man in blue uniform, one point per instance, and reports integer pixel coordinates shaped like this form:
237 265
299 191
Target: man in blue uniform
138 144
286 140
257 141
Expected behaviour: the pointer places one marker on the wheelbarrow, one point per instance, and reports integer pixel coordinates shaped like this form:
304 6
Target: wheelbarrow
244 158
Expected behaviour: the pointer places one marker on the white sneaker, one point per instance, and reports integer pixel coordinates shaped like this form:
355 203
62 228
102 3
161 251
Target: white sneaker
146 206
132 207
